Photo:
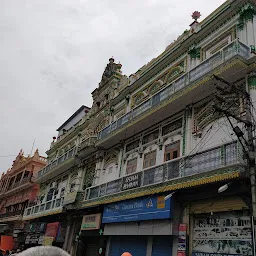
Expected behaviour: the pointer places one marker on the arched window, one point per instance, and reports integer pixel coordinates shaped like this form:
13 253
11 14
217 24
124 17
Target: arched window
139 97
50 194
62 192
42 198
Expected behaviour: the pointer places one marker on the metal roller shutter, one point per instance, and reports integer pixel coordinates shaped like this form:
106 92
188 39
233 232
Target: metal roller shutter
223 205
136 245
162 246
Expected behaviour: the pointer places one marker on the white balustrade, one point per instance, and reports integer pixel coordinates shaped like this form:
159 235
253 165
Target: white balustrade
57 162
48 206
209 160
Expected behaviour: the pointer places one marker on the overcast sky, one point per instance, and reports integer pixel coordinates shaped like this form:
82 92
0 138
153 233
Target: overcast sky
53 53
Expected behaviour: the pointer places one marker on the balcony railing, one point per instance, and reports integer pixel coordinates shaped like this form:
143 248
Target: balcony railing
17 184
25 180
69 154
87 142
43 159
48 206
234 48
202 162
68 132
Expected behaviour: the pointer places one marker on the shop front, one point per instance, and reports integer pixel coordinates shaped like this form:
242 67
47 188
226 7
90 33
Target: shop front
35 234
225 233
91 239
42 233
142 226
224 230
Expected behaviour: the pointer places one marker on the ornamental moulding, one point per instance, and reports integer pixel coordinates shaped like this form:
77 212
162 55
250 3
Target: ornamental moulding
174 73
194 52
246 14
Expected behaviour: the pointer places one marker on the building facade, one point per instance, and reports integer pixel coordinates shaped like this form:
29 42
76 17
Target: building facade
17 192
153 150
59 181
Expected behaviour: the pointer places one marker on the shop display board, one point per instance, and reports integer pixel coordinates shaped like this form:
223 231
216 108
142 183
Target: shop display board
222 234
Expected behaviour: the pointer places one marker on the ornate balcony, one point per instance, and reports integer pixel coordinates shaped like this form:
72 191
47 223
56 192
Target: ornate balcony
229 62
48 208
223 157
22 184
61 164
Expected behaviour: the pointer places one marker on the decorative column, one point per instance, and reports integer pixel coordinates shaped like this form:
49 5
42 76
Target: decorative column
254 28
67 235
189 128
99 165
245 23
120 160
82 171
195 54
251 83
250 34
184 143
194 51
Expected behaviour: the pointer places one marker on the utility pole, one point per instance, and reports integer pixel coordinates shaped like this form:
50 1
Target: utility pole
250 152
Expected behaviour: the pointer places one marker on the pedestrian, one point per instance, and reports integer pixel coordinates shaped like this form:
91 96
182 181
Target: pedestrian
126 254
43 251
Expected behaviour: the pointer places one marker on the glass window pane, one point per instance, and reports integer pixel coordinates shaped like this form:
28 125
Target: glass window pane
175 154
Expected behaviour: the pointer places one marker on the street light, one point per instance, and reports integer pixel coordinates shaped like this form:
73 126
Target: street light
169 196
223 188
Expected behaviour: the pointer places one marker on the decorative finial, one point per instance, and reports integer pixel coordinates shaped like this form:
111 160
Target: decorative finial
111 59
36 152
196 15
119 65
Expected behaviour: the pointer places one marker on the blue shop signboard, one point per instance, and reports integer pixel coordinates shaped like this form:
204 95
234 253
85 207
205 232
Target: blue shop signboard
148 208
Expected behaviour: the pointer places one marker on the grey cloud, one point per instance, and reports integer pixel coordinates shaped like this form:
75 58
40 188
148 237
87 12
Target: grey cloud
53 53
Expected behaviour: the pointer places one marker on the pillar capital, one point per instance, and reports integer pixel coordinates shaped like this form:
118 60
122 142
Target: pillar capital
252 80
